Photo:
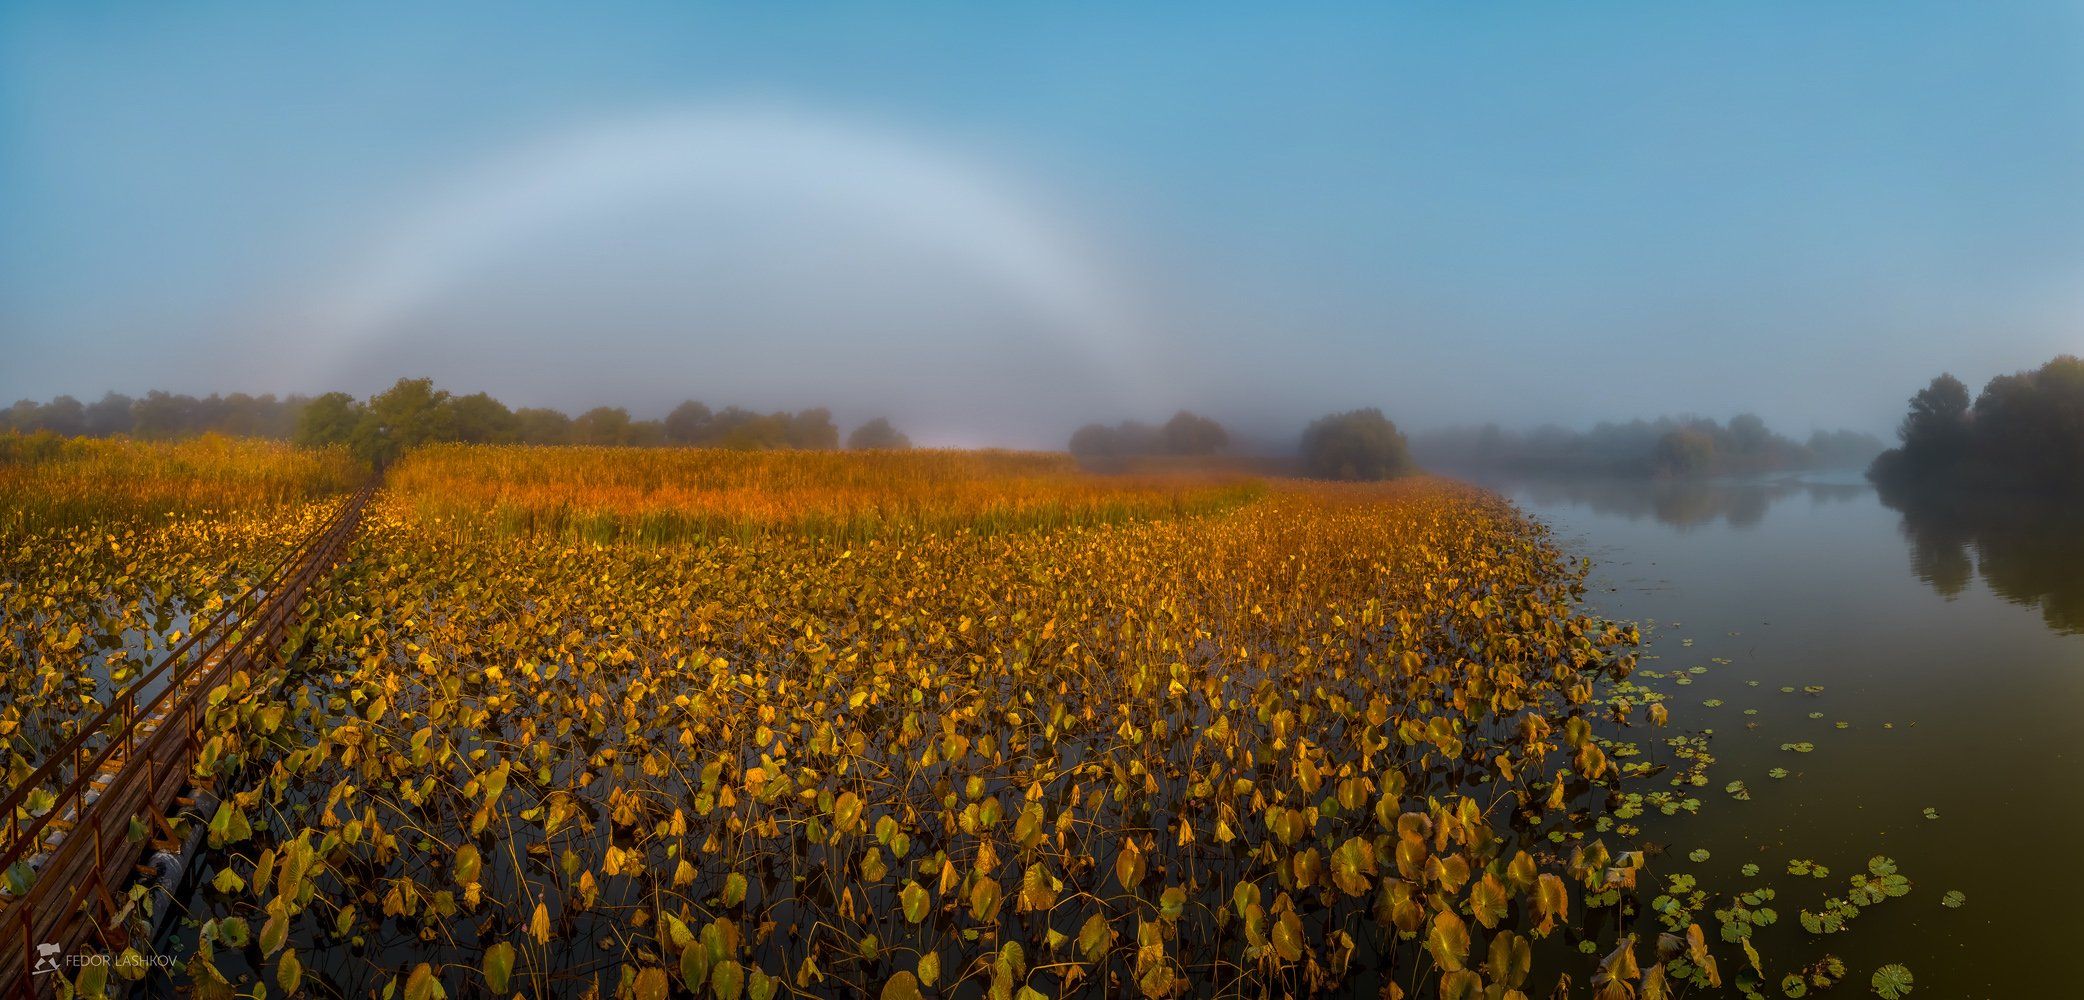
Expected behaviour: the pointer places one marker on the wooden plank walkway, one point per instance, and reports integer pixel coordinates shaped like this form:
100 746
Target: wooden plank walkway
132 762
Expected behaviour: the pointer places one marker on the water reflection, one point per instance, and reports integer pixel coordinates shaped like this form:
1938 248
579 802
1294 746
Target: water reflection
1738 503
2028 550
1823 623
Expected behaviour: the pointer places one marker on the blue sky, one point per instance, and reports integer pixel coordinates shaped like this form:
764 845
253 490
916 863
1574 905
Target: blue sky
1457 212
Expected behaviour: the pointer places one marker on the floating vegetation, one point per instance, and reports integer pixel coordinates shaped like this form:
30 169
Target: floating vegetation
1823 974
585 720
1954 899
1173 755
1891 982
112 550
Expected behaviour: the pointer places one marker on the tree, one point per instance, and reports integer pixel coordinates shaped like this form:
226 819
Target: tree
1686 452
161 415
1095 441
1843 449
1748 434
111 416
689 423
480 419
541 425
2027 429
645 434
878 435
63 415
1192 434
1355 445
22 415
736 427
412 412
328 419
603 425
812 429
1937 423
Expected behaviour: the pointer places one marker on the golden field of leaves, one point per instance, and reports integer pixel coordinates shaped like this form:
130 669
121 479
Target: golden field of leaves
1306 738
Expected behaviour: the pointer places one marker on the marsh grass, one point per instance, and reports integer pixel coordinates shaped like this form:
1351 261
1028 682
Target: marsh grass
666 496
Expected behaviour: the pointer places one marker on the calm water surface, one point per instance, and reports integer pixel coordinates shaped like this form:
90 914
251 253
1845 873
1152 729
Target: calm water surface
1952 646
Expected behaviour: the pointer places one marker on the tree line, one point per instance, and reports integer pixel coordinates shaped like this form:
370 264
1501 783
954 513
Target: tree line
1185 434
1666 446
2022 432
1361 444
1355 445
413 412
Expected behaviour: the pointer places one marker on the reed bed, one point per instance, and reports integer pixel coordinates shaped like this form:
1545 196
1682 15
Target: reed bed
49 482
678 495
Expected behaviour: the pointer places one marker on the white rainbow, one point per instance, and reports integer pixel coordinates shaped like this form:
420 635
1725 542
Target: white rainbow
731 153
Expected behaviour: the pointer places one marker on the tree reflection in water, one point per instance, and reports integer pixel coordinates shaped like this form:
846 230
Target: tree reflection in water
1682 503
2028 549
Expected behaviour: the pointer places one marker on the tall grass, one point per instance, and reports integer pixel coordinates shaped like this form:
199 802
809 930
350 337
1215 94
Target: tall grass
50 481
672 495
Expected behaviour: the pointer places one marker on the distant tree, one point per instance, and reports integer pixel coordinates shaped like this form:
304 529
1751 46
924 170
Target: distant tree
22 415
161 415
241 415
1685 452
1748 434
111 416
62 415
813 429
645 434
1192 434
480 419
412 412
1095 441
1134 437
735 427
2028 428
1936 428
1356 445
328 419
604 425
540 425
689 423
289 413
878 435
1843 449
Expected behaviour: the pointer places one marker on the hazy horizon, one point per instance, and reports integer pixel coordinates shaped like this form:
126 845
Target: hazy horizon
993 225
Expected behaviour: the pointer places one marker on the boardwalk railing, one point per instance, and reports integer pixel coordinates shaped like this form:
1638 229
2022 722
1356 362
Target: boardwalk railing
132 761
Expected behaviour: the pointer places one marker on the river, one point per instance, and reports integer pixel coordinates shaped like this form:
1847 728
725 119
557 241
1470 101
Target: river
1949 650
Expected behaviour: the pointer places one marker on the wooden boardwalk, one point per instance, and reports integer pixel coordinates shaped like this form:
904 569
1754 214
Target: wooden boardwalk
132 762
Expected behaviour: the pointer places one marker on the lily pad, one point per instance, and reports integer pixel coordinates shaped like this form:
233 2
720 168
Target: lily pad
1891 981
